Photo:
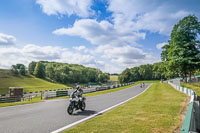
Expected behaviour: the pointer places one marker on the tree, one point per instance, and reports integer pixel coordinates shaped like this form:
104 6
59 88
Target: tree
146 72
22 70
68 73
125 76
39 70
31 67
182 55
159 71
14 70
18 66
18 69
135 75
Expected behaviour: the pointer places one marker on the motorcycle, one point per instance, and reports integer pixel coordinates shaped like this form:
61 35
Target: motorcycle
76 103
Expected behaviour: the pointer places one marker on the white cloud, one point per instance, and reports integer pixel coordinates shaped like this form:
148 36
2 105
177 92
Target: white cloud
118 57
66 7
155 16
116 39
126 56
81 48
100 33
160 45
31 52
7 39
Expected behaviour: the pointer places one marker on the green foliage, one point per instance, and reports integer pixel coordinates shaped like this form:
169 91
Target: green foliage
125 76
22 70
67 73
159 71
182 55
39 70
146 72
156 71
14 70
18 69
31 67
197 72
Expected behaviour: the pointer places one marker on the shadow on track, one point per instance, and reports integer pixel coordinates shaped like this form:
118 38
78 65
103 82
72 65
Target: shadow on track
85 113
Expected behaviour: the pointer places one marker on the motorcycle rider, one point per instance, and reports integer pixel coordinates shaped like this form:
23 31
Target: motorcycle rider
79 91
76 100
78 94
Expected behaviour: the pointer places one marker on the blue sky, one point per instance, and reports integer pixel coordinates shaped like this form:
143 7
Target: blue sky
110 35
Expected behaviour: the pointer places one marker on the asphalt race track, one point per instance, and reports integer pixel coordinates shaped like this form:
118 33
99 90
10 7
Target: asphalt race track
51 115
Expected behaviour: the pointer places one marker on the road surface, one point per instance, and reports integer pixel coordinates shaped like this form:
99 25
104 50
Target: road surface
51 115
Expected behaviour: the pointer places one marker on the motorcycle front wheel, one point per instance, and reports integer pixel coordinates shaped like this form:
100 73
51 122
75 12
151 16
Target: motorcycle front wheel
70 110
83 106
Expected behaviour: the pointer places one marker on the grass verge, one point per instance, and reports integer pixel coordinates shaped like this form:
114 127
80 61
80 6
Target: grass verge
157 110
193 86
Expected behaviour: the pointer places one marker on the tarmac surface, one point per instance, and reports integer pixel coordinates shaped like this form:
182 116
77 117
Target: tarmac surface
51 115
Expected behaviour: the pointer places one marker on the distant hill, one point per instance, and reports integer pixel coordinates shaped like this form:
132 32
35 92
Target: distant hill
30 83
67 73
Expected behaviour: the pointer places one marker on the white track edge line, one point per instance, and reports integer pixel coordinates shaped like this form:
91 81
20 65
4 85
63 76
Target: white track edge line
94 115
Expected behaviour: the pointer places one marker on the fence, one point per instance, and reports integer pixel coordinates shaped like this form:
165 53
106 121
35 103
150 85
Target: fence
192 118
53 94
9 99
56 93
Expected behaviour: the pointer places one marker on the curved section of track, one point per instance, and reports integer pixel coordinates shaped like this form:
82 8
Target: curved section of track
51 115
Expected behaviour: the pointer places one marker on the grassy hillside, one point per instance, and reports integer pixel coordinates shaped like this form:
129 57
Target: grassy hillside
114 78
29 83
155 111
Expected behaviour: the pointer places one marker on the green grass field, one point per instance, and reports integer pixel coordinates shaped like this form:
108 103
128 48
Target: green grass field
29 83
193 86
157 110
114 78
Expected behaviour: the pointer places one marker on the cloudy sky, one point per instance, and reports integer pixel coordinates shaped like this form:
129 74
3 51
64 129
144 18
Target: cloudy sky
110 35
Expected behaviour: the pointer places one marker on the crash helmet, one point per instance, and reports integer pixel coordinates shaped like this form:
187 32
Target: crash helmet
77 87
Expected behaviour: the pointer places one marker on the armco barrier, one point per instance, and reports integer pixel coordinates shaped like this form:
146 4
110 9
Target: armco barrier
61 93
49 94
52 94
9 99
58 93
192 119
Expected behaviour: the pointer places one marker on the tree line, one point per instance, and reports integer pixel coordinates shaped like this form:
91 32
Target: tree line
143 72
180 57
18 69
66 73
